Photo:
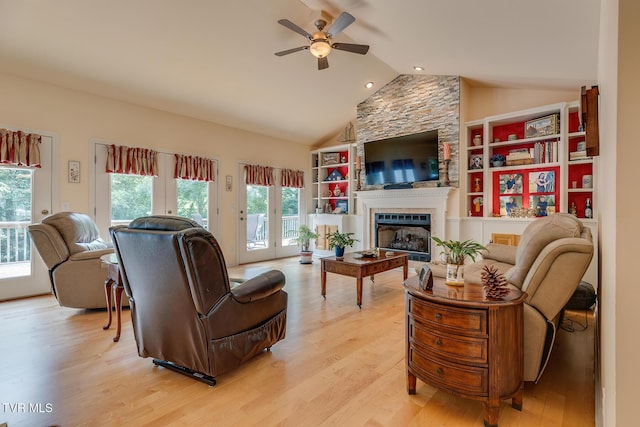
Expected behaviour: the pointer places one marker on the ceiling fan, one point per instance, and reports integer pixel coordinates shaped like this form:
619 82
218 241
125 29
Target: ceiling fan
321 42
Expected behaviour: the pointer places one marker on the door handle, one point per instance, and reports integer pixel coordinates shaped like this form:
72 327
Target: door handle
44 212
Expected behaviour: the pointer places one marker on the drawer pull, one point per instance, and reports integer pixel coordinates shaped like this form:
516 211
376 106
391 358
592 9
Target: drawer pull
438 316
439 371
438 341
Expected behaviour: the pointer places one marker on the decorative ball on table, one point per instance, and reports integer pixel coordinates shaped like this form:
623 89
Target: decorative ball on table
494 283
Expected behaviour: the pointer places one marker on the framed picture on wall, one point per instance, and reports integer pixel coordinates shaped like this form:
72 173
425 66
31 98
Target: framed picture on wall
74 171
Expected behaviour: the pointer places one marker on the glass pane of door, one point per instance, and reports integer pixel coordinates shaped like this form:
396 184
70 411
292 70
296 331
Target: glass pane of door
257 217
130 197
15 216
290 209
193 200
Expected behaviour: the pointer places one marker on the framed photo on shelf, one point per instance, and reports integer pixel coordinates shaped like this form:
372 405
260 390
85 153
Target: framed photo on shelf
511 183
543 204
509 202
343 205
475 161
330 158
542 182
543 126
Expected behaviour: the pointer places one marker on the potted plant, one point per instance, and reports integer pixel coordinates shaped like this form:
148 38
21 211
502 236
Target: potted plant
339 241
305 234
456 253
498 160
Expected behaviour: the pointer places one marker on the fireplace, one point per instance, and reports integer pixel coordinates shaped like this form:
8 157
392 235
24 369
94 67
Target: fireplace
405 232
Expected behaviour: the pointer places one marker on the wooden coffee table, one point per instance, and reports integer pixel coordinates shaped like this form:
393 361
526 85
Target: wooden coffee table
355 265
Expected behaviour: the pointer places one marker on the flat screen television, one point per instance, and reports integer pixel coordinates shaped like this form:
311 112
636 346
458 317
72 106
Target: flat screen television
402 159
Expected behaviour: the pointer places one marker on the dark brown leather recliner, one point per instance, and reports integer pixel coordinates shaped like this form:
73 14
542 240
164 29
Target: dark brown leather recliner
184 312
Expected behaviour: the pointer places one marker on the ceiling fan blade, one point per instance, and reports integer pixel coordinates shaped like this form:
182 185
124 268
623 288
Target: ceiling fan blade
323 63
343 21
350 47
288 51
293 27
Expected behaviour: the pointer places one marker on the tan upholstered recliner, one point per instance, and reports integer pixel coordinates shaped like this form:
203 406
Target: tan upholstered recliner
71 247
552 257
185 313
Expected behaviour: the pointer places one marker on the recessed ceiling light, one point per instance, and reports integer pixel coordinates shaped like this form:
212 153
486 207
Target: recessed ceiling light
368 85
418 68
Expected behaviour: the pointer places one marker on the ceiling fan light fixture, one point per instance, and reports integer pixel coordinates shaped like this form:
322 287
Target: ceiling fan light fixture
320 48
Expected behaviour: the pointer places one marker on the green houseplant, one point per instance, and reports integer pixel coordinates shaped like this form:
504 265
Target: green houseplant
339 241
304 237
456 253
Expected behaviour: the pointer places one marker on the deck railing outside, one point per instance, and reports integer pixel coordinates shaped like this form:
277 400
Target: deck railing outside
15 242
290 228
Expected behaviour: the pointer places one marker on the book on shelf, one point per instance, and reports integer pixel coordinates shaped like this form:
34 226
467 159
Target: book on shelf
577 155
545 152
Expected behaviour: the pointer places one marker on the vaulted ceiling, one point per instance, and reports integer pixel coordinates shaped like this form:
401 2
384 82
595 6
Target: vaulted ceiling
214 59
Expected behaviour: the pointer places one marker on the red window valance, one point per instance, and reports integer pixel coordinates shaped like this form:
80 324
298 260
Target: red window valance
132 161
194 168
258 175
19 148
292 178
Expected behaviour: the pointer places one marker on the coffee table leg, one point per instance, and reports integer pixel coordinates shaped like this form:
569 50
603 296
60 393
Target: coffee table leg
107 289
323 283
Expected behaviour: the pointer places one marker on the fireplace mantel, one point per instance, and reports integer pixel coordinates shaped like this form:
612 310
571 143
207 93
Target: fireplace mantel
429 199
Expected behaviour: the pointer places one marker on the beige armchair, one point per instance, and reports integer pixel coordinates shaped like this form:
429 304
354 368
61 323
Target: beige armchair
70 246
551 258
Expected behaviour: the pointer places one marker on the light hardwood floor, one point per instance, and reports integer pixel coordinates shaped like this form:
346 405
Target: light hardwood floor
339 365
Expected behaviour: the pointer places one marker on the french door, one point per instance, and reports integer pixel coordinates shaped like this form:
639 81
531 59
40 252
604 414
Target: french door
120 198
26 197
268 221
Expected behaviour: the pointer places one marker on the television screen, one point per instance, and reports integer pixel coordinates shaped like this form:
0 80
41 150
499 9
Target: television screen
403 159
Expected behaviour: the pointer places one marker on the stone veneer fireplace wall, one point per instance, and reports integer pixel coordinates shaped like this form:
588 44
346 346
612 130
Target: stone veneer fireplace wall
413 104
410 104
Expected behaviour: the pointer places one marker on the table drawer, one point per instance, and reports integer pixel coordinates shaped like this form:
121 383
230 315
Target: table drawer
460 379
456 347
377 267
455 319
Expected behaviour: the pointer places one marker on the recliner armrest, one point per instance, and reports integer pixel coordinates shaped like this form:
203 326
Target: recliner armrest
500 252
90 254
259 287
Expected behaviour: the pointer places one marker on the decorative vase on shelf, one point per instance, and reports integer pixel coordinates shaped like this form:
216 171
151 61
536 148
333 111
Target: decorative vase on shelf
477 140
497 163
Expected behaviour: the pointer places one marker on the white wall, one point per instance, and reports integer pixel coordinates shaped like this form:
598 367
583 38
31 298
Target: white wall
618 71
79 118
